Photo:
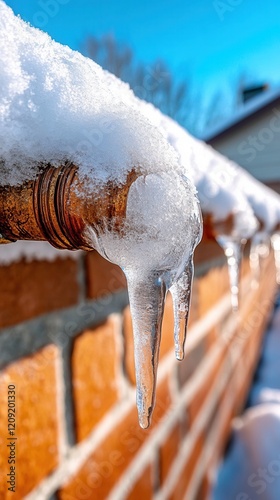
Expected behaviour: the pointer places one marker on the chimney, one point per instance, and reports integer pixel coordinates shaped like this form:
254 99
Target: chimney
247 93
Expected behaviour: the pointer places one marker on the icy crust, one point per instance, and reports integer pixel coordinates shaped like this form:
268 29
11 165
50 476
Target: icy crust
56 105
160 217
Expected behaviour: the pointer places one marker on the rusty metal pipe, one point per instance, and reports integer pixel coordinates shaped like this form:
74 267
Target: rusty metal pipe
58 206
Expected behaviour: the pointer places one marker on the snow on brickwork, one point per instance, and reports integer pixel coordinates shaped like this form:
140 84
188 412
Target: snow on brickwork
33 250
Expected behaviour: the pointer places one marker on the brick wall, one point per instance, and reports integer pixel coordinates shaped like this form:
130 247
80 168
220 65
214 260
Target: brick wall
66 345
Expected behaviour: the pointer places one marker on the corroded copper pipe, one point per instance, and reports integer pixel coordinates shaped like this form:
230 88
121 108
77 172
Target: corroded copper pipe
58 205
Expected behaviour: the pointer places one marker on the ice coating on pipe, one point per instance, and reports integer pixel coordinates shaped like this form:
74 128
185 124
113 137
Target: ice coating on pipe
155 249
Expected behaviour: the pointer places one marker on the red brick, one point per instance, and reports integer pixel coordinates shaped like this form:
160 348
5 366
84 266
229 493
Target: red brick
95 366
222 439
185 478
104 467
143 488
207 250
169 450
245 267
188 366
103 277
211 287
204 490
29 289
212 335
205 389
36 420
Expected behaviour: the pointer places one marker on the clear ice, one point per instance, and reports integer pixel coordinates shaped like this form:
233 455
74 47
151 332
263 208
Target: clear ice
181 296
233 250
155 250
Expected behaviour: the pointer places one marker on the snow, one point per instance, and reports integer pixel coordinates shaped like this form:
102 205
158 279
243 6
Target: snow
57 106
267 385
33 250
223 187
251 468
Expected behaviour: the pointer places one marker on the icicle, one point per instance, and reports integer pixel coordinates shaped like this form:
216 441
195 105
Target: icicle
255 268
275 241
255 264
233 251
147 297
259 250
181 295
154 245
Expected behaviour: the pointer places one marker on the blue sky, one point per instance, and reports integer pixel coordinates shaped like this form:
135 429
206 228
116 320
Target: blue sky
210 42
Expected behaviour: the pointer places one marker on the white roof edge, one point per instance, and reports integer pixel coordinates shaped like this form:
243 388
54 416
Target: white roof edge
253 105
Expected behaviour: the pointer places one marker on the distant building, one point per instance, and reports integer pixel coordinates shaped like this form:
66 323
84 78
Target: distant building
251 137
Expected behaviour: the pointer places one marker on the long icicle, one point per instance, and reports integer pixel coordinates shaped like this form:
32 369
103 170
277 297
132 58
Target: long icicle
233 251
147 298
181 295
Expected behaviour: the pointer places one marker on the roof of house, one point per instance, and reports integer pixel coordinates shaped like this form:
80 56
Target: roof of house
245 113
